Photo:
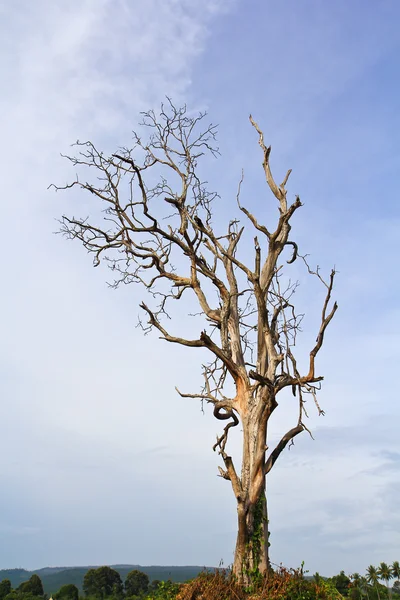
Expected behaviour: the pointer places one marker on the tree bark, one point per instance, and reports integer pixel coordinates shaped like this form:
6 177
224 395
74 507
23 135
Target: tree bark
252 544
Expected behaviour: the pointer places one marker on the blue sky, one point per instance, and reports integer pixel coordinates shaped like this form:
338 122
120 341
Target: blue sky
96 456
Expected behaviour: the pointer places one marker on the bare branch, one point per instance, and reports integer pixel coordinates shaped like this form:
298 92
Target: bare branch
278 191
248 214
156 229
221 440
153 322
273 457
295 251
325 320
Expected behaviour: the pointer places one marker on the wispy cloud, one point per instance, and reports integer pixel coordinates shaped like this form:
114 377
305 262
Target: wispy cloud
77 414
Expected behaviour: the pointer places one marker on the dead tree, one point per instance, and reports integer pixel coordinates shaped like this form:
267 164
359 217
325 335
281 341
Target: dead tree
159 232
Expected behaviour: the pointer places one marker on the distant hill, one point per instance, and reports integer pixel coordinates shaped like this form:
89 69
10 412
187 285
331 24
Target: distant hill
54 577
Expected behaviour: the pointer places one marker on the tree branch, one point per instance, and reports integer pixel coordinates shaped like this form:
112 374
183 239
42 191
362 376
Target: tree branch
281 446
157 229
153 322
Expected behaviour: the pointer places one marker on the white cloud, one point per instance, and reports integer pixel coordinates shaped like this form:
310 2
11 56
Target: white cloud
76 393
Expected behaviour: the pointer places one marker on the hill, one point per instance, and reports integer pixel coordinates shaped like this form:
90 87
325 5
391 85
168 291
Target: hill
54 577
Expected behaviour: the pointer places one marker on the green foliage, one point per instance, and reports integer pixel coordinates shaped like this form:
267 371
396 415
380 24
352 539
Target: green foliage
5 588
14 595
164 590
53 578
372 574
25 587
395 570
27 590
102 583
67 592
341 583
385 573
136 583
153 587
33 586
258 531
90 583
299 588
16 576
256 542
19 595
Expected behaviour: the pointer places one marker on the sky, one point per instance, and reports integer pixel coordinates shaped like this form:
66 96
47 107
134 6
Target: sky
101 462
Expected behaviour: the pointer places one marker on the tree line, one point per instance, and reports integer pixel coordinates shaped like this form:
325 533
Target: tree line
98 584
105 583
369 586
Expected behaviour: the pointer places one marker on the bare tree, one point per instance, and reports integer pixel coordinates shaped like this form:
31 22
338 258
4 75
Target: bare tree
250 321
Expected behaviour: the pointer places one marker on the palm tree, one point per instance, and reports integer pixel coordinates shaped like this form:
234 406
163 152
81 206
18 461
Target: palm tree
364 587
395 570
355 583
385 573
372 577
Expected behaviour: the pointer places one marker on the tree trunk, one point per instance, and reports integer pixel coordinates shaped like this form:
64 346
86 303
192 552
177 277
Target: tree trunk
252 545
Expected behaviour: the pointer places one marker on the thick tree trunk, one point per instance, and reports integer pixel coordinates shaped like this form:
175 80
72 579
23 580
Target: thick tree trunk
252 544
